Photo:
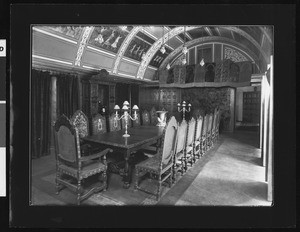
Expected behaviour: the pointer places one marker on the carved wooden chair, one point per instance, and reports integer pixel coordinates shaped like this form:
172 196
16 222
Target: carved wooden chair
146 118
71 167
217 124
137 122
160 165
189 146
198 134
213 128
80 121
179 164
114 124
153 116
203 143
209 131
99 124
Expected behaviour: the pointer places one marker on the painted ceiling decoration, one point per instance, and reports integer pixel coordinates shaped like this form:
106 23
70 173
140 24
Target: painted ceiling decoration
134 51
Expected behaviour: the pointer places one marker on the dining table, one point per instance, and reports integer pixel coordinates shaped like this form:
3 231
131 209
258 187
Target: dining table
140 137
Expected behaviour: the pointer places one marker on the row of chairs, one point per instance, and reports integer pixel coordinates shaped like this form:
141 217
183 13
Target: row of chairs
182 144
80 120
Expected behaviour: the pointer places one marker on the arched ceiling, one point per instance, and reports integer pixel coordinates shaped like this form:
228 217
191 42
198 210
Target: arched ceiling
134 51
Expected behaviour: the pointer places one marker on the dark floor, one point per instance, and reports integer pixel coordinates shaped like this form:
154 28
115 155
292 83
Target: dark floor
229 174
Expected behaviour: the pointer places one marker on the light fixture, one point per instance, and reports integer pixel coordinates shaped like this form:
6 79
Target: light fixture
123 28
163 49
202 60
126 115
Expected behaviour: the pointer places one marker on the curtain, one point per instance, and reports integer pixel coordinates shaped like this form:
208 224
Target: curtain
67 94
41 113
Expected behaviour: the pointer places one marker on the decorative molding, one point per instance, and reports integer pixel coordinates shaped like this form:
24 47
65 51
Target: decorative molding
51 59
124 46
93 68
250 38
53 35
84 38
234 55
155 47
131 61
126 75
207 29
101 51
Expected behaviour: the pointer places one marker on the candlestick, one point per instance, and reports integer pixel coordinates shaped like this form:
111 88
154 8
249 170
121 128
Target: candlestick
182 108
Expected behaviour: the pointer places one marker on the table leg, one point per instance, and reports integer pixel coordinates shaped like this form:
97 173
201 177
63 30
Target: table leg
127 173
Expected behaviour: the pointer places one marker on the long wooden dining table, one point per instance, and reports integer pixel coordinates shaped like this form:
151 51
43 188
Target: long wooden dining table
140 137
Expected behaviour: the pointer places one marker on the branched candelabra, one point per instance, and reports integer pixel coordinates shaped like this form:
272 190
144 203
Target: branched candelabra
126 115
182 108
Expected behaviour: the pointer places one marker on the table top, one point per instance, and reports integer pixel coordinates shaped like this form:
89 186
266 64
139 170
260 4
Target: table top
138 136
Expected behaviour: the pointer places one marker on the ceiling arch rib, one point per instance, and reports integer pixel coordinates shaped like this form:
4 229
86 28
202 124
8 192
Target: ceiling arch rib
84 38
124 46
154 48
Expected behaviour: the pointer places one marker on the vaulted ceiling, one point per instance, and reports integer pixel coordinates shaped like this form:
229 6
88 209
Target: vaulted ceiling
134 51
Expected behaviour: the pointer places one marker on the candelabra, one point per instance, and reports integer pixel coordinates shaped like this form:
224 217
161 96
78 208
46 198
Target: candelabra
182 108
126 115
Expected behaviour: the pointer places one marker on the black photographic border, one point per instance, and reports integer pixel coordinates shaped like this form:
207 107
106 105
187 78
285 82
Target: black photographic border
281 214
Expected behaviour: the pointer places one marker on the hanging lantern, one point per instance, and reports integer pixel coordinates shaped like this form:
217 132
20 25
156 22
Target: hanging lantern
202 62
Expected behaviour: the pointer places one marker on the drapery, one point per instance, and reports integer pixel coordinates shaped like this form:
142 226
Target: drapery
40 113
67 94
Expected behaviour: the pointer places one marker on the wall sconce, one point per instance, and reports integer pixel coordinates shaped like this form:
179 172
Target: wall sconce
182 108
126 115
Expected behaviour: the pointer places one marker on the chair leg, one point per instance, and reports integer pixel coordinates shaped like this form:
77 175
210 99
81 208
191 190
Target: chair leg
136 179
104 180
171 177
57 185
159 188
78 191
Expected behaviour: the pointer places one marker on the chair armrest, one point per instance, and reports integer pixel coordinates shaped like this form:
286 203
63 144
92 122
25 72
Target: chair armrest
97 155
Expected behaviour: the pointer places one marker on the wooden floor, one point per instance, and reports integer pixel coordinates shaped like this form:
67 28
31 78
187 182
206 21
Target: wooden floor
229 174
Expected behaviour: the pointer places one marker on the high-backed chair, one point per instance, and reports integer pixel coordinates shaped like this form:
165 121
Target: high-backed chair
146 118
209 132
198 134
179 164
137 122
218 123
70 163
114 124
80 121
213 130
160 165
203 143
153 116
99 124
189 147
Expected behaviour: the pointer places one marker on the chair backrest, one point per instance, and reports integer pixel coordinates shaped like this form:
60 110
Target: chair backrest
81 122
204 127
146 118
169 139
199 127
137 122
191 131
210 118
215 120
99 124
153 116
181 136
218 118
114 124
66 141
